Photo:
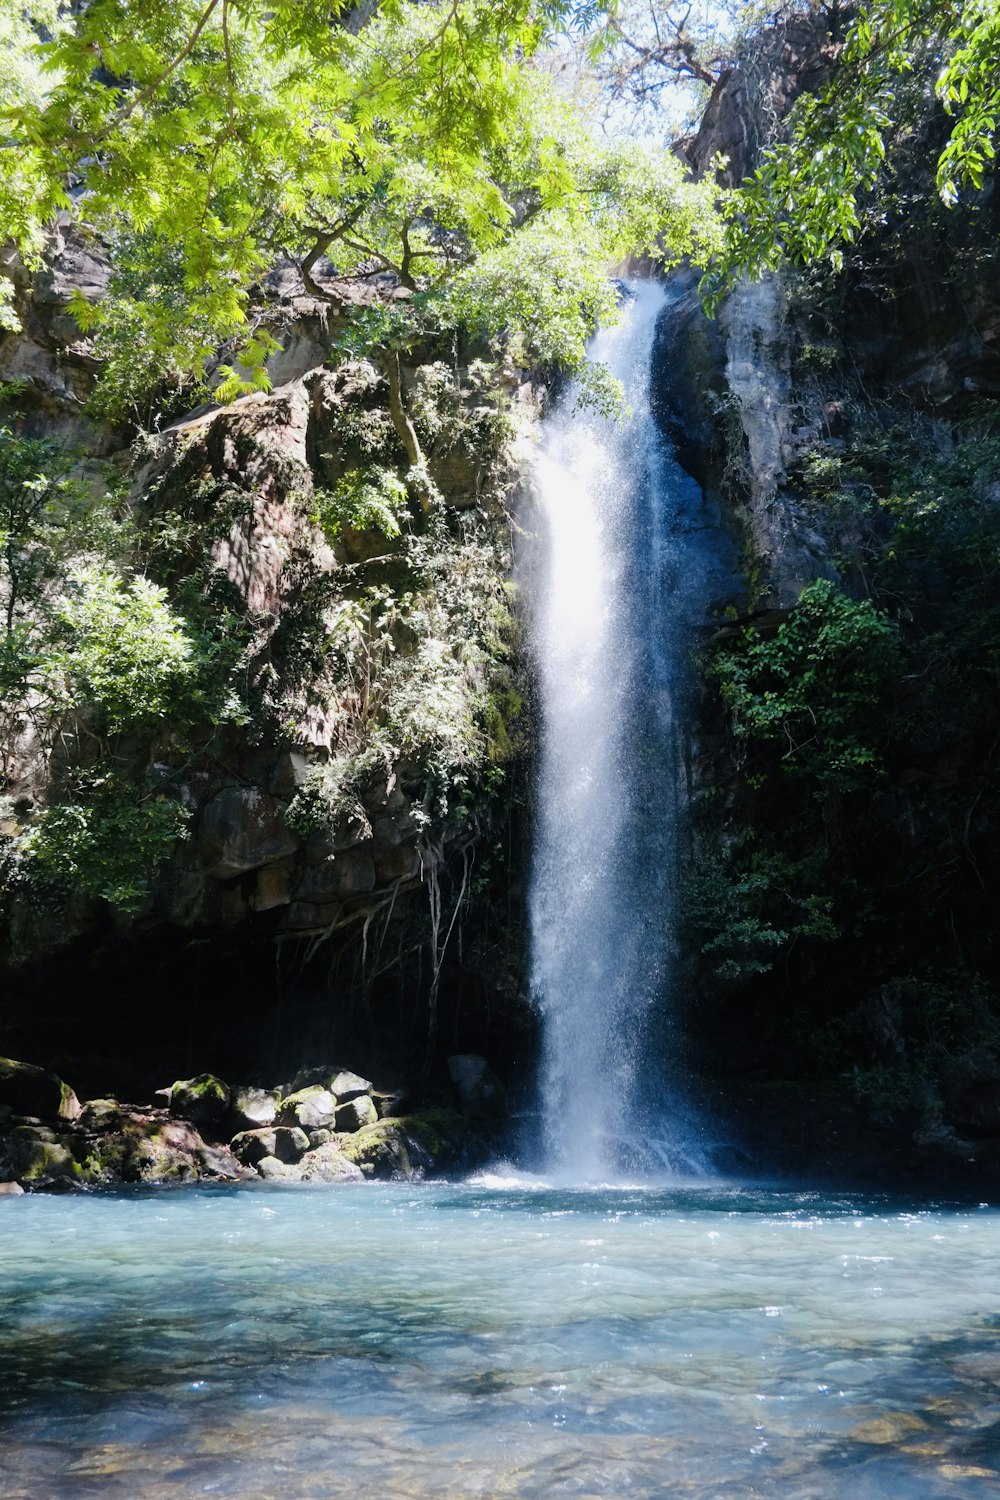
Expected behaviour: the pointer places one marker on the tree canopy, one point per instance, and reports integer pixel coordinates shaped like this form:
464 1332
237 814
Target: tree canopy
206 141
803 201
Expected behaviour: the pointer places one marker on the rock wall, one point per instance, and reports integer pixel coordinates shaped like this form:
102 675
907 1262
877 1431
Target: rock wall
354 806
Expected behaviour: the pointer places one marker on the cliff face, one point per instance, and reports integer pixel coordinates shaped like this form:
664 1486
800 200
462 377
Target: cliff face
331 780
842 887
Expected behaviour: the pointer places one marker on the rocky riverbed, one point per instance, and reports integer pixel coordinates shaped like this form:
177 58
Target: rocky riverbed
328 1124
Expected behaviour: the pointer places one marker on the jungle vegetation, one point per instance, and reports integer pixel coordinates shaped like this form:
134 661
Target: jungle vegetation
486 163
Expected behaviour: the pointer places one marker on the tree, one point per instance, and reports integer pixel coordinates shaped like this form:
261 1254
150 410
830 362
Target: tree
208 140
803 202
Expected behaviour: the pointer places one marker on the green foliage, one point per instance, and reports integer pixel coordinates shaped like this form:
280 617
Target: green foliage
373 499
732 905
858 820
210 139
811 689
92 659
912 1030
104 842
421 683
804 202
122 647
40 500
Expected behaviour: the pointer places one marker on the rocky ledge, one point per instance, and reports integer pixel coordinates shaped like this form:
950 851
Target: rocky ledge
328 1125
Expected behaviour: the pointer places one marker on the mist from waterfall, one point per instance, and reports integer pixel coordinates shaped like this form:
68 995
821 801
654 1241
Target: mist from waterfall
609 597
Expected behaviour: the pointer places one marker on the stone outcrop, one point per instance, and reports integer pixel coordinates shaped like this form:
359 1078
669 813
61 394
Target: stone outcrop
60 1145
27 1090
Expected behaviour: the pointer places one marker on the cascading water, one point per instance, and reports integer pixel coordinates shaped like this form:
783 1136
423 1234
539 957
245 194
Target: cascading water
610 597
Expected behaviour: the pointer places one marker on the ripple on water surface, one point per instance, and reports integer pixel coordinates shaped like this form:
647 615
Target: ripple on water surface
477 1339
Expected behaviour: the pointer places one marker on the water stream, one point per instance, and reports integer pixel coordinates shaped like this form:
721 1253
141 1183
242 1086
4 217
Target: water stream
612 586
448 1341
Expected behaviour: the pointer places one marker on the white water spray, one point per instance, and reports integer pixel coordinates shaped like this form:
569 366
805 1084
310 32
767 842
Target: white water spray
608 603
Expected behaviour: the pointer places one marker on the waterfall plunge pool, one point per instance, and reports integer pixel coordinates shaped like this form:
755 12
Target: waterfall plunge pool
497 1338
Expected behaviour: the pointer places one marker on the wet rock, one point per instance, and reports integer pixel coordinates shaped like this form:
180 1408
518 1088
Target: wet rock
254 1108
27 1090
327 1163
203 1100
173 1151
287 1143
274 1170
404 1148
351 873
480 1091
290 771
11 1190
312 1108
273 887
357 1113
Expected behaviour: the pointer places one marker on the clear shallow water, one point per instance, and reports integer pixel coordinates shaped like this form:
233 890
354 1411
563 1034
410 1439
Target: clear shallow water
474 1340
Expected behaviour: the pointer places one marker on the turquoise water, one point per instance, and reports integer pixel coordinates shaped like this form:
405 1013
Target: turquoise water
493 1340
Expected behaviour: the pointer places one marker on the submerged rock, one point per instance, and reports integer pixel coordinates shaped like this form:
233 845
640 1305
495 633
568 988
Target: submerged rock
27 1090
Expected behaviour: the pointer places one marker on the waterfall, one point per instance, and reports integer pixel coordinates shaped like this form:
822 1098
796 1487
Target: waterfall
608 599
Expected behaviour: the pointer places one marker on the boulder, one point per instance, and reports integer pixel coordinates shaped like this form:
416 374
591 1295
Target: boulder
274 1170
287 1143
345 1085
11 1190
27 1090
405 1148
204 1100
169 1151
312 1108
356 1113
36 1156
394 1103
99 1115
320 1138
328 1163
480 1092
254 1108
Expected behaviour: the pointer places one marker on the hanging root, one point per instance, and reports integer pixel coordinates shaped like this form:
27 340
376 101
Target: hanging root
438 947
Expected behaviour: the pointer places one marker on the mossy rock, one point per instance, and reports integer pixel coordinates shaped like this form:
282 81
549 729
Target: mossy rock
100 1115
312 1108
27 1090
37 1157
203 1100
407 1146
